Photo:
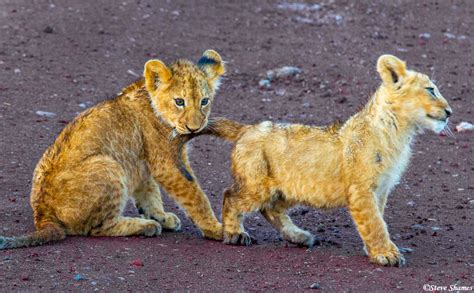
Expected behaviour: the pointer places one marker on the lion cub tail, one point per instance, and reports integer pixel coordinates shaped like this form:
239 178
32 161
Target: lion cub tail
49 232
224 128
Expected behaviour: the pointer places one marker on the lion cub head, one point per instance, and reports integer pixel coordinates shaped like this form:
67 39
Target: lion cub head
416 98
182 93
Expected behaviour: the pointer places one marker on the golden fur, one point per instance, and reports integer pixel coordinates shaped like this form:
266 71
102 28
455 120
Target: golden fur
127 147
276 166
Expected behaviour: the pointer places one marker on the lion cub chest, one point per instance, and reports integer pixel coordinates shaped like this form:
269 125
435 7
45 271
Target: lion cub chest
390 177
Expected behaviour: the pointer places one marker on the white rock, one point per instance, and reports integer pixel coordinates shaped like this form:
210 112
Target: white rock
299 6
46 114
450 35
464 126
283 72
85 104
265 83
425 36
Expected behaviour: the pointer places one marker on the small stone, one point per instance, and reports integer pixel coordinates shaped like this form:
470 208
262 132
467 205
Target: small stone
45 114
85 104
17 70
425 36
436 228
418 227
48 30
450 35
464 126
78 277
136 263
264 83
286 71
315 286
406 250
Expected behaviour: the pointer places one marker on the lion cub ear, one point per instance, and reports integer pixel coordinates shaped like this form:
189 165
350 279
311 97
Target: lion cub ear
211 63
391 69
156 73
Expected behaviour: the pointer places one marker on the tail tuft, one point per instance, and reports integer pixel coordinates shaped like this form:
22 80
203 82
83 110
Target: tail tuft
49 232
224 128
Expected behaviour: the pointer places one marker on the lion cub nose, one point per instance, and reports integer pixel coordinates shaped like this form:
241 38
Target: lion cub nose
449 112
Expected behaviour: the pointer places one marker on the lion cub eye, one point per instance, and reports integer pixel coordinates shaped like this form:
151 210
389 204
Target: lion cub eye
431 91
179 102
204 102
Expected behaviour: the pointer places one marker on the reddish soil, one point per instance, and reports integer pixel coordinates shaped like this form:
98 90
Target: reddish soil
53 57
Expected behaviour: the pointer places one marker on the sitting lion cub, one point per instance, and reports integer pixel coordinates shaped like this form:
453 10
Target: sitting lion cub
276 166
125 147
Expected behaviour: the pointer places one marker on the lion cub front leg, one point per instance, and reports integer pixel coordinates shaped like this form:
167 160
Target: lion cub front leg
185 189
150 205
372 228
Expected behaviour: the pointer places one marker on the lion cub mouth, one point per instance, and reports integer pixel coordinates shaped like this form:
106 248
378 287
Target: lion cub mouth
442 119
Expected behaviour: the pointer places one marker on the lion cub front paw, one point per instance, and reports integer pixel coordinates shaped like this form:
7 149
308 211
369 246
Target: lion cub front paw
242 238
151 229
171 222
215 233
391 257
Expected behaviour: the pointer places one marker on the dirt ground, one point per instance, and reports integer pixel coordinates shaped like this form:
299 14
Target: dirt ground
63 56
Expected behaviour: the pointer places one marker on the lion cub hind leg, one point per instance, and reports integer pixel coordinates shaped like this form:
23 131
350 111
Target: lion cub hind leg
275 215
372 228
233 211
127 226
150 205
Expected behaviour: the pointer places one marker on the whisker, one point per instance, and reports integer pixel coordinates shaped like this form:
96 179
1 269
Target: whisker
172 135
450 131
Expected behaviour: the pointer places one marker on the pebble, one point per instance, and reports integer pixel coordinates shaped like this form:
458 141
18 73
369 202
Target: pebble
464 126
136 263
78 277
450 35
48 30
264 83
85 104
315 286
436 228
299 6
425 36
418 227
283 72
45 114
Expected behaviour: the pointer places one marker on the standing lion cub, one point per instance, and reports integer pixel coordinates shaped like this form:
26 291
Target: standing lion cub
126 147
276 166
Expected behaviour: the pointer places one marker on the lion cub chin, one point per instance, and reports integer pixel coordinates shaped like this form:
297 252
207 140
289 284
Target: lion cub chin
355 165
128 147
